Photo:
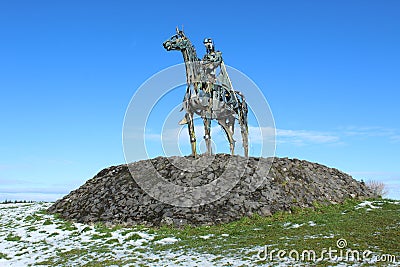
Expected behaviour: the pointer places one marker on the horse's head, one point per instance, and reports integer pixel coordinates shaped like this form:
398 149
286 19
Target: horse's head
178 41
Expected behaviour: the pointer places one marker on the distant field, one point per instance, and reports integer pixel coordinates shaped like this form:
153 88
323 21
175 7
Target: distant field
356 233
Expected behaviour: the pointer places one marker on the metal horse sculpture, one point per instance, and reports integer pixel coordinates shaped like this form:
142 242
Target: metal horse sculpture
221 103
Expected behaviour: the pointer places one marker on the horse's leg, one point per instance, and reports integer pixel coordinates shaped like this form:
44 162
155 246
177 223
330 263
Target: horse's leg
244 126
185 105
245 137
228 129
231 126
192 135
207 134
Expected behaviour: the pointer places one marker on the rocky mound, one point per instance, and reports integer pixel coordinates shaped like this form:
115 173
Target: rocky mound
114 197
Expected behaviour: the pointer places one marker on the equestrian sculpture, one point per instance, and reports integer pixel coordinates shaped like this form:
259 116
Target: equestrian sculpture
207 95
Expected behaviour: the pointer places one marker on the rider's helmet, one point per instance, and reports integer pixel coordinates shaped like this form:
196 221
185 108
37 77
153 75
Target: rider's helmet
209 44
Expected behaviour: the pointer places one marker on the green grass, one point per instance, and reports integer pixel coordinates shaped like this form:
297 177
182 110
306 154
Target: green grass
32 229
376 230
42 212
21 253
4 207
102 228
53 234
68 226
110 263
32 218
64 256
358 226
112 241
87 228
11 237
3 256
47 222
102 236
45 262
133 237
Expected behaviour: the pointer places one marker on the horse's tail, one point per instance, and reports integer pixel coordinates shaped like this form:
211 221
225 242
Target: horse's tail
242 109
242 117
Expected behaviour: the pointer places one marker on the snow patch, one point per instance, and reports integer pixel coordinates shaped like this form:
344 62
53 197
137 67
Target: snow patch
167 240
311 223
206 236
368 204
289 225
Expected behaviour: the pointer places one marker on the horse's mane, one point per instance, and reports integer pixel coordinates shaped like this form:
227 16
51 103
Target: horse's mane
192 51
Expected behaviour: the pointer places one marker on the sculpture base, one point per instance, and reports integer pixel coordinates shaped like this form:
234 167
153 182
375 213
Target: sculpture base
113 196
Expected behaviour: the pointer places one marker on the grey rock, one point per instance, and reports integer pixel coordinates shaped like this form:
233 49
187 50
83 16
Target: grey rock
114 197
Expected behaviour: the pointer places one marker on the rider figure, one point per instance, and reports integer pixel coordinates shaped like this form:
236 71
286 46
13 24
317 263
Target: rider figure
211 61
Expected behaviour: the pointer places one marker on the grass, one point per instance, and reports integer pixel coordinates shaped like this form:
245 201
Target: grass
87 228
314 228
32 229
47 222
358 226
112 241
12 237
134 236
32 218
53 234
3 256
102 236
68 226
102 228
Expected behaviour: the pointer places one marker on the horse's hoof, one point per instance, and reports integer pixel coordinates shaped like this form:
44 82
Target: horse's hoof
183 121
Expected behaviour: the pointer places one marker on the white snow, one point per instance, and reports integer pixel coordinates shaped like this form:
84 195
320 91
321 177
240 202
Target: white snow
29 236
368 204
311 223
167 240
319 236
296 225
289 225
206 236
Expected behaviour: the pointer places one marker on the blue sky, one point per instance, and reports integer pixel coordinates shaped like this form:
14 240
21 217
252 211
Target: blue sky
68 69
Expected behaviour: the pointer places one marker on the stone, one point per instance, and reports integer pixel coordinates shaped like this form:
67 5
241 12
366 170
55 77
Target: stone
113 196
